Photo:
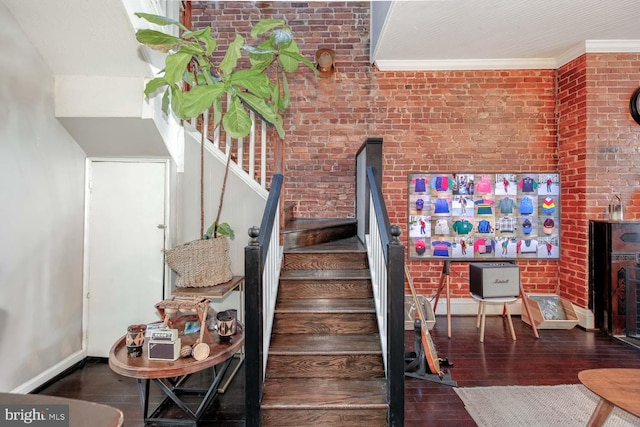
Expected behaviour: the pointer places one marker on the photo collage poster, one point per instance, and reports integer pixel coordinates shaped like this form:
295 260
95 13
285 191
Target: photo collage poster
484 217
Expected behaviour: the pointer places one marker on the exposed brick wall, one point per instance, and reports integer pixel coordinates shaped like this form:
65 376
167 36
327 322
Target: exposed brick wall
574 119
573 165
465 121
599 148
329 118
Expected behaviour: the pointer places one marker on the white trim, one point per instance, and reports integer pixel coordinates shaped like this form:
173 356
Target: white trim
588 46
612 46
49 374
466 64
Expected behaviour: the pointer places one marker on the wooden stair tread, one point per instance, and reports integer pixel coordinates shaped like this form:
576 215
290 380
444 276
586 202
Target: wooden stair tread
348 245
325 274
324 393
301 224
326 305
324 344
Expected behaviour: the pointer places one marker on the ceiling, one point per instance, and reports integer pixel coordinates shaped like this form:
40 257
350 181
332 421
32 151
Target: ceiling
95 37
499 34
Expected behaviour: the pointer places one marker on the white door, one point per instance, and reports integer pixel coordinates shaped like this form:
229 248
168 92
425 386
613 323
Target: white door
125 264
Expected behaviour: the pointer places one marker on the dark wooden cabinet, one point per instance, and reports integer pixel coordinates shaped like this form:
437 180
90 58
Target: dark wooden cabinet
613 246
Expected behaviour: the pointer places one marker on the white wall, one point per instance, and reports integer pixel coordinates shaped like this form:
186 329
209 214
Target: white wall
41 219
243 206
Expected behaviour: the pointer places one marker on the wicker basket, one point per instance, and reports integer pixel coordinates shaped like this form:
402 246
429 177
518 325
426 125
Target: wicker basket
201 263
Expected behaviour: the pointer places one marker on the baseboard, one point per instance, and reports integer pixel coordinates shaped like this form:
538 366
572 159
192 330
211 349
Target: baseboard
468 307
50 373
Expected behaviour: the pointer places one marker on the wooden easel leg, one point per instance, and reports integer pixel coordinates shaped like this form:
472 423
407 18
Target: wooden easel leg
448 282
526 307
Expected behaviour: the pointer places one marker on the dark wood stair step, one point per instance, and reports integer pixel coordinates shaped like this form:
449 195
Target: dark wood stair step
325 323
302 232
325 261
351 417
326 305
296 344
326 274
325 356
324 393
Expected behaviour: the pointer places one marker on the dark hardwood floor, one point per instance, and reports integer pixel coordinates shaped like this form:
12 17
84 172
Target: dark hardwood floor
555 358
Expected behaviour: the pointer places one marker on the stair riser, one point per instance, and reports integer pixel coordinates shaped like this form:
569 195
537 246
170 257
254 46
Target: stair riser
325 261
318 236
325 323
364 366
326 417
290 289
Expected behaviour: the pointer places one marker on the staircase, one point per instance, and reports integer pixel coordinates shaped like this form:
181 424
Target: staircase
325 362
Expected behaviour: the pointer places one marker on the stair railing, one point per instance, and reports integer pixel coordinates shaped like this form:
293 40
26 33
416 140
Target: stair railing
386 263
263 260
251 152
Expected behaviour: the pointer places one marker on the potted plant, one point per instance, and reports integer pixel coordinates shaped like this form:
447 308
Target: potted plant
193 84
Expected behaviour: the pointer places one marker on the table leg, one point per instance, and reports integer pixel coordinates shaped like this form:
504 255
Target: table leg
600 414
173 392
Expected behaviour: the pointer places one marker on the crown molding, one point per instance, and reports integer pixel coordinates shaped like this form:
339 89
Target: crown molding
465 64
588 46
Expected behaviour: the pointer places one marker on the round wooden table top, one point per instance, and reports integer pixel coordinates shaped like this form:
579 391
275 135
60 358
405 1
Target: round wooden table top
619 386
143 368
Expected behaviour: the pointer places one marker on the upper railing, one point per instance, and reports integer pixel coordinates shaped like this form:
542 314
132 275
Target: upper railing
248 153
263 259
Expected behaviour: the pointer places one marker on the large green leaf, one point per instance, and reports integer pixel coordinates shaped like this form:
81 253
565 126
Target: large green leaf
289 57
234 52
236 121
204 36
199 99
165 101
285 99
260 105
176 64
160 20
265 25
252 80
158 40
192 49
297 57
282 37
153 85
262 57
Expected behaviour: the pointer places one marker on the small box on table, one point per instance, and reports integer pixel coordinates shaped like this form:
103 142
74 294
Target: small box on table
494 279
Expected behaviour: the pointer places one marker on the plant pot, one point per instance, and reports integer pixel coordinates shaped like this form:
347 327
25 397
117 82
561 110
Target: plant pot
201 263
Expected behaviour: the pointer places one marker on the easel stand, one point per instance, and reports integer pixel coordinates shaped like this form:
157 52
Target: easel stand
415 363
445 283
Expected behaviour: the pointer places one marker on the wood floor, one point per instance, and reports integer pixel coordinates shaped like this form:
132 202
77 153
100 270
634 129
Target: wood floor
555 358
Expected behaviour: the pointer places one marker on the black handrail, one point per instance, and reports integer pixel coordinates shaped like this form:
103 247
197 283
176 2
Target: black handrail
393 251
254 260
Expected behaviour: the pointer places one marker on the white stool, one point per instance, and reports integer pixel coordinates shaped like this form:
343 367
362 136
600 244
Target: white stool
482 312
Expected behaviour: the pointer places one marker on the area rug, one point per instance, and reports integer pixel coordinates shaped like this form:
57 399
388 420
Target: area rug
543 406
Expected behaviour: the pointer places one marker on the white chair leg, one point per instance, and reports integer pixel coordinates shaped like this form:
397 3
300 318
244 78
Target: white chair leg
482 322
513 332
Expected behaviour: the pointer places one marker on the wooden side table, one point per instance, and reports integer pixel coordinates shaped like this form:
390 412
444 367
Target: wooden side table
171 376
616 387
